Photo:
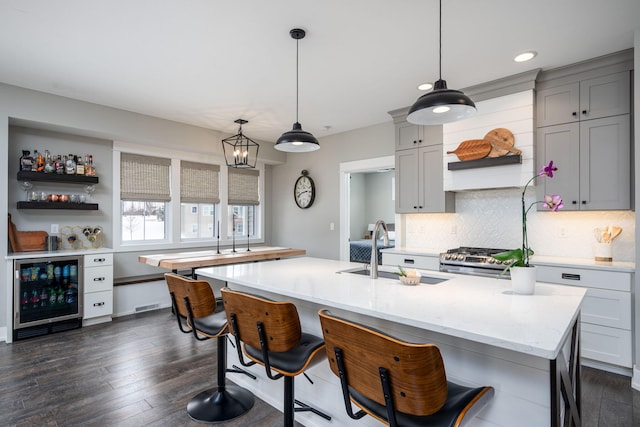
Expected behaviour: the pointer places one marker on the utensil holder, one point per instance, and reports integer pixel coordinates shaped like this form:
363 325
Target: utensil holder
603 252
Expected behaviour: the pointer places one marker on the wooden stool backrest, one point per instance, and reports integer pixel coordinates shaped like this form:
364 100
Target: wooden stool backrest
199 292
416 371
279 319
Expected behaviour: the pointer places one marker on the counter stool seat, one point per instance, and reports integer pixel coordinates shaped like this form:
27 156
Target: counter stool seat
400 384
199 312
293 360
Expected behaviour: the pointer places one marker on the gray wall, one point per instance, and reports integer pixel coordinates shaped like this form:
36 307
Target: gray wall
309 228
358 208
379 203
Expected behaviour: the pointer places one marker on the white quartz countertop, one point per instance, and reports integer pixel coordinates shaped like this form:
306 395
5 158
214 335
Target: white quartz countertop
50 254
479 309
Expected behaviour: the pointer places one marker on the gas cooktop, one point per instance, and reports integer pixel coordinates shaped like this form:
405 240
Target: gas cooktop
472 260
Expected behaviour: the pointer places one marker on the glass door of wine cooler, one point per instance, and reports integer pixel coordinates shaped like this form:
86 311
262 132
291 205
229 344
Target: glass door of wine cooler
47 290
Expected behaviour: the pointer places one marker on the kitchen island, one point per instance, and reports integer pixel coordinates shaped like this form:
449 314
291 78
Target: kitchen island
523 346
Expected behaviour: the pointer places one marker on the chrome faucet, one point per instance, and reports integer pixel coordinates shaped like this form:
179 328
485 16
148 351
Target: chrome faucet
374 246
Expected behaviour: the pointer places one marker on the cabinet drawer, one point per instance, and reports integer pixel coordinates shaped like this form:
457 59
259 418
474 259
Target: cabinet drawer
98 279
613 280
609 345
607 308
98 304
98 259
421 262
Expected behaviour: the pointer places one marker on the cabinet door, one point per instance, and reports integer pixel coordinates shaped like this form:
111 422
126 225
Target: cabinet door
558 105
605 96
407 181
408 135
605 164
432 197
560 143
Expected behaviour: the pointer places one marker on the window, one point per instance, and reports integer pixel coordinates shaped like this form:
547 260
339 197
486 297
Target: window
144 193
199 199
243 198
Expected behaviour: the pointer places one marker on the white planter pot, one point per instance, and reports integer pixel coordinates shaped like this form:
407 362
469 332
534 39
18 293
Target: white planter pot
523 280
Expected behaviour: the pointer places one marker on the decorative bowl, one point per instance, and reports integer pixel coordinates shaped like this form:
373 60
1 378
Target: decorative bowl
410 280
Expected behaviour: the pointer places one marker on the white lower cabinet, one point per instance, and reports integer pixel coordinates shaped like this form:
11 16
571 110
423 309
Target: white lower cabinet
606 337
98 288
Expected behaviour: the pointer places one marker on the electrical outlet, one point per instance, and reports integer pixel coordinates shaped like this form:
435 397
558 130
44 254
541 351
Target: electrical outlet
562 232
54 228
332 226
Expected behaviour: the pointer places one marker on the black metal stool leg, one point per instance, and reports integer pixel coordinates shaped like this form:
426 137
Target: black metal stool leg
223 402
288 401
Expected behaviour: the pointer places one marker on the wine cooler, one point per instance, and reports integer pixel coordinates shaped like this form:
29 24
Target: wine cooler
48 295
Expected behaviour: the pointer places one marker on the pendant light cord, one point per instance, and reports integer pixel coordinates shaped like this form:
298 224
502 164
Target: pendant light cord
440 37
297 83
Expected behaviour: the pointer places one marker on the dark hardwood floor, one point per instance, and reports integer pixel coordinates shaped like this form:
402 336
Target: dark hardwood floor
141 371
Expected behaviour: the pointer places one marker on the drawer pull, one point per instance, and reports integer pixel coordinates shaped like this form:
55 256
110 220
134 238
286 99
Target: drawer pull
98 279
99 259
570 276
98 304
408 261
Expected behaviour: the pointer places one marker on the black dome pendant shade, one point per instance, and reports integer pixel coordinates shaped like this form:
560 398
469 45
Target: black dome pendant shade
441 105
297 140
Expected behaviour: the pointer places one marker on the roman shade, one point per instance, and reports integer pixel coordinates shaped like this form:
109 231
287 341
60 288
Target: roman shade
144 178
243 187
199 183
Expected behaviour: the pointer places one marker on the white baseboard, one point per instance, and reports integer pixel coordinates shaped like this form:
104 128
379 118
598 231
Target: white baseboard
3 333
620 370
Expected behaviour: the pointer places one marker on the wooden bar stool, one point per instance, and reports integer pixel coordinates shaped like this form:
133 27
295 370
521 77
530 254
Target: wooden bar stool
198 311
269 333
396 382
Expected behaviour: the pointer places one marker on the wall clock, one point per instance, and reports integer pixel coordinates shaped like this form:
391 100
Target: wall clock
304 192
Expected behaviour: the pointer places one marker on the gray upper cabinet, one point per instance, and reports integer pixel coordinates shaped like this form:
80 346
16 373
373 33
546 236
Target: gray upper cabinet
419 170
594 163
592 98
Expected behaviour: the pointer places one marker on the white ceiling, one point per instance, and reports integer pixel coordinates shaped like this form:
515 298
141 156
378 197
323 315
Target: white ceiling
209 62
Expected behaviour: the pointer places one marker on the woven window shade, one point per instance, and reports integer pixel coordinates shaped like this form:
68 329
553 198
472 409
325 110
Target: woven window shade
243 187
144 178
199 183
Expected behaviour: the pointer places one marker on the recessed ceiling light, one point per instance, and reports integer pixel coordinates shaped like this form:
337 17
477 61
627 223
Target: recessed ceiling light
425 86
525 56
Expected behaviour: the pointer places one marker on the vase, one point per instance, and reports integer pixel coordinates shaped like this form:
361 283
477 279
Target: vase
523 280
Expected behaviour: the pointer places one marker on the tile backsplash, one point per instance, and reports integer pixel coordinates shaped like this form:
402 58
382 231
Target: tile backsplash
491 218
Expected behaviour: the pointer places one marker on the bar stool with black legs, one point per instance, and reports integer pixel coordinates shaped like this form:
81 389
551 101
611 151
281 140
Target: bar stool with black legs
396 382
269 333
198 311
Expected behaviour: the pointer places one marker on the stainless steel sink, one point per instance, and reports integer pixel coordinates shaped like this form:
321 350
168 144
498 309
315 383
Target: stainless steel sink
429 280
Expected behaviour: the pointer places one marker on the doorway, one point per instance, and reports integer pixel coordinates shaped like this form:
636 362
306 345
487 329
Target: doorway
346 170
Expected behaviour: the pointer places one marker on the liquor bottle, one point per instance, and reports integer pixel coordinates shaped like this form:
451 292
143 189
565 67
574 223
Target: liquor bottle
49 164
79 165
34 164
26 161
70 165
40 163
90 169
59 165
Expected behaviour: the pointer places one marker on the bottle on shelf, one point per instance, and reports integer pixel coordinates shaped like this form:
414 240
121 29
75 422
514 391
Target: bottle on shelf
70 165
40 163
44 297
59 165
79 165
49 164
26 161
24 301
90 169
34 164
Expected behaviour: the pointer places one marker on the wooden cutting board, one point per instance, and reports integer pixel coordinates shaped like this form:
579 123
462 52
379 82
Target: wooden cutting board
501 141
472 149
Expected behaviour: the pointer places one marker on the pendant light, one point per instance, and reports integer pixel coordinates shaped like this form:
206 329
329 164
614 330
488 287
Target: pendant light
441 105
297 140
239 151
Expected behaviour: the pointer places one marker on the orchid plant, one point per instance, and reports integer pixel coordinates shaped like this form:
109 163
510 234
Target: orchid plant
520 257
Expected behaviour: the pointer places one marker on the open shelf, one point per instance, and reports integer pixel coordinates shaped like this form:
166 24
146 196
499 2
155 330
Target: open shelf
58 205
486 162
54 177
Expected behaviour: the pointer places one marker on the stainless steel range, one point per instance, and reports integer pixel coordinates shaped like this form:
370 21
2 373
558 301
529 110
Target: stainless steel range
475 261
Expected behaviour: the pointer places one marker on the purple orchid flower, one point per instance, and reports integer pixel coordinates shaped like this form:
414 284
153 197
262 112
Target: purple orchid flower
548 170
553 202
